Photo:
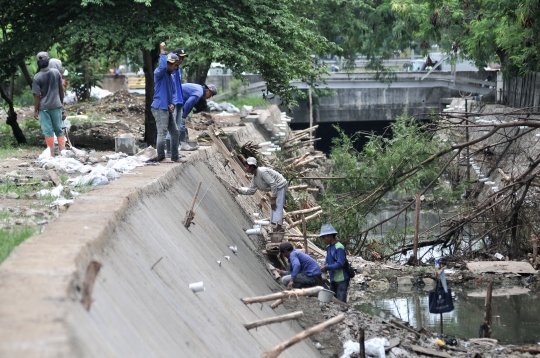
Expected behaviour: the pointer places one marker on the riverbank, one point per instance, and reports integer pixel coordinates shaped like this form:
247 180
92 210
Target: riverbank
138 296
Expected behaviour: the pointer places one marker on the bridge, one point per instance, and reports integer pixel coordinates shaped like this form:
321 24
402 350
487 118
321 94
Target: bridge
361 97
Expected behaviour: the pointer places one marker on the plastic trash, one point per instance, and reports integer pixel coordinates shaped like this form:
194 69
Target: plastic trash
498 256
374 348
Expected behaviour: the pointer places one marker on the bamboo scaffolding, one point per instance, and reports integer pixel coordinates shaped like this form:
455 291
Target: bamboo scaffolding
277 319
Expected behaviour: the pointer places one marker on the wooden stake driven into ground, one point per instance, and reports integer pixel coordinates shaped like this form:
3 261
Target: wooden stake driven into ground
277 350
277 319
534 240
362 348
486 326
284 294
190 215
416 228
304 232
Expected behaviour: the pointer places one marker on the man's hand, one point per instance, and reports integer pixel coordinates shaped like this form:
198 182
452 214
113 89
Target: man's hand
324 269
289 286
36 114
162 47
273 203
171 108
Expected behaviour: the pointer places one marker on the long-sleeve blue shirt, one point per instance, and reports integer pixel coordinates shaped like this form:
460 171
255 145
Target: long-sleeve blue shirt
164 87
302 263
335 261
177 75
192 94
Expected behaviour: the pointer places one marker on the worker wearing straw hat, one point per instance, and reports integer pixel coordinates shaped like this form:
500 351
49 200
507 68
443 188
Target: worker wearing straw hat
335 262
267 179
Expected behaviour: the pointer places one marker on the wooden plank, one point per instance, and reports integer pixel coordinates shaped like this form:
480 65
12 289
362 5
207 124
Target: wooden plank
429 352
501 267
394 342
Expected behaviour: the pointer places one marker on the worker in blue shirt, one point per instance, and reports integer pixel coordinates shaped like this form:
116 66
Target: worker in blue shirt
335 262
163 105
304 271
183 136
192 93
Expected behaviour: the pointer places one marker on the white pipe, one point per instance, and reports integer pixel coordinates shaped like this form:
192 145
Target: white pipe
262 222
253 231
263 144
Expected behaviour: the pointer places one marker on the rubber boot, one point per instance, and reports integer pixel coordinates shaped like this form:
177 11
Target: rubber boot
167 148
61 143
50 144
186 147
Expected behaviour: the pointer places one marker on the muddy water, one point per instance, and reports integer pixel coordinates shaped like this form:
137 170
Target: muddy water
515 312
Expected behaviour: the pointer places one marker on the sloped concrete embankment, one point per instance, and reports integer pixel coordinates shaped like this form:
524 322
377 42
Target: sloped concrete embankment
141 303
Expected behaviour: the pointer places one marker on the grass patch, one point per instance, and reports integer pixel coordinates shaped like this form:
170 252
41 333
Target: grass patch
249 101
11 238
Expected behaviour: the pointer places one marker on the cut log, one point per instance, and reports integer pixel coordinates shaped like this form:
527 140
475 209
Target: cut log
277 350
277 319
273 271
284 294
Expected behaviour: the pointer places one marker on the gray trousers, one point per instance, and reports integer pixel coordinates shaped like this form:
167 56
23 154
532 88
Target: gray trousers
165 121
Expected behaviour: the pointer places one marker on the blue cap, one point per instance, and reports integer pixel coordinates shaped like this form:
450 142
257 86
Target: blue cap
172 58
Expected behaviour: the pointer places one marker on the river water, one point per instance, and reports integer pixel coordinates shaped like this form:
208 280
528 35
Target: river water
515 311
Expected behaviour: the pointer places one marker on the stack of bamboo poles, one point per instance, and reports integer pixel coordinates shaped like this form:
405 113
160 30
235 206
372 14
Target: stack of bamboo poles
293 219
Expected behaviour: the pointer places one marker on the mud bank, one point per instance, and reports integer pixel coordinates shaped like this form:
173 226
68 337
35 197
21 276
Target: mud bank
141 305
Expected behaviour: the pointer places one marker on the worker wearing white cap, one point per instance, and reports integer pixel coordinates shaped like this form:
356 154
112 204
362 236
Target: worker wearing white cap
267 179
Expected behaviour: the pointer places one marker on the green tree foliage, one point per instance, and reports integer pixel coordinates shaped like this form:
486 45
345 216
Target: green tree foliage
383 165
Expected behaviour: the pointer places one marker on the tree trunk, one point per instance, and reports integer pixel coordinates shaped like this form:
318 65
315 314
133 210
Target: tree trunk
26 74
87 85
12 118
200 72
150 129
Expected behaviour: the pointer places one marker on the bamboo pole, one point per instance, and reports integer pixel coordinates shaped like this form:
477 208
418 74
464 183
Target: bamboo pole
487 315
282 318
418 314
304 232
310 113
534 240
304 211
284 294
276 303
298 187
311 128
190 214
296 223
277 350
273 271
416 228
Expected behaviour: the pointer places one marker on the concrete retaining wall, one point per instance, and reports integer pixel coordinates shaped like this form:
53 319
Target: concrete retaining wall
138 311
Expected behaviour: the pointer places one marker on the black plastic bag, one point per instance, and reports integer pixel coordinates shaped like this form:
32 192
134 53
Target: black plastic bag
440 301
